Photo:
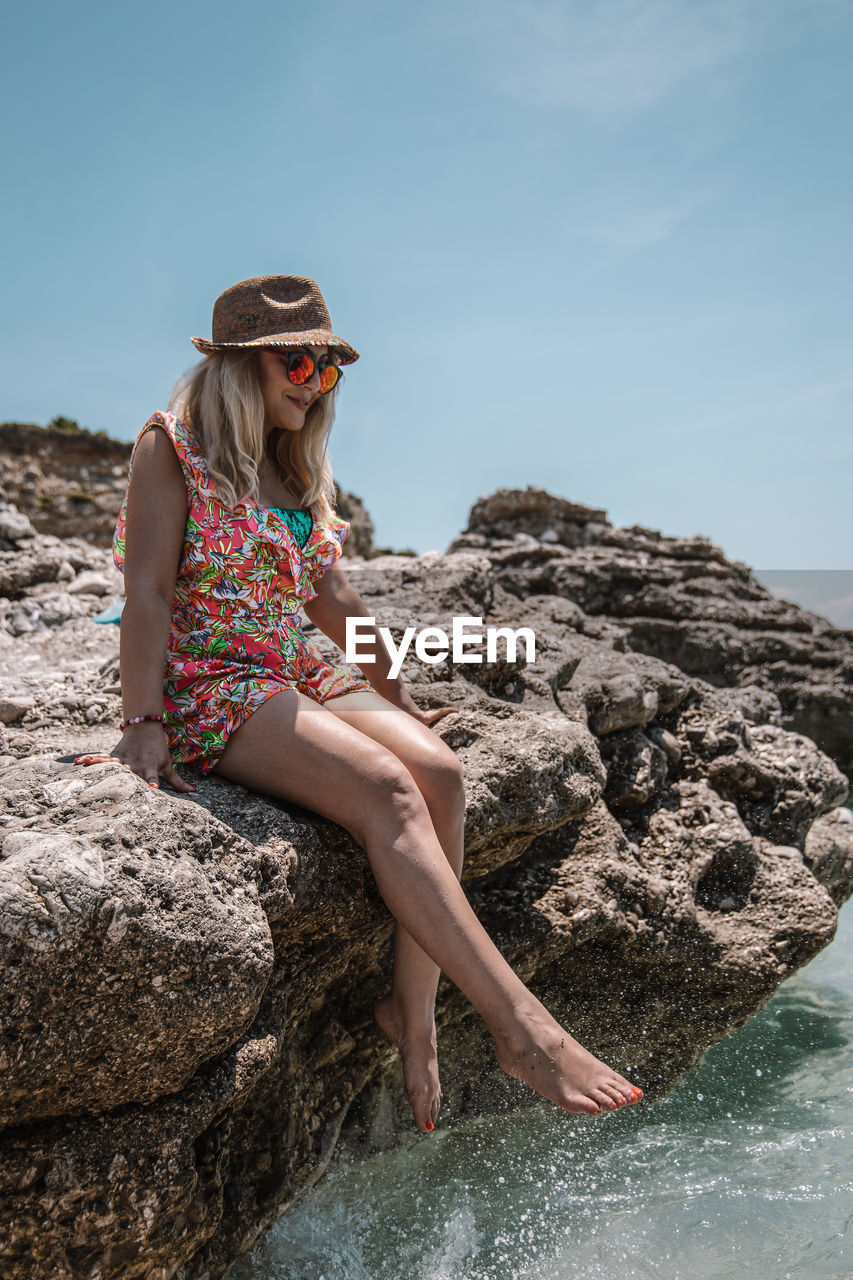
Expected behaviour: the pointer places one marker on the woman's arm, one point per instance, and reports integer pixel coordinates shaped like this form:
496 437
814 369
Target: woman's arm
337 600
154 537
156 521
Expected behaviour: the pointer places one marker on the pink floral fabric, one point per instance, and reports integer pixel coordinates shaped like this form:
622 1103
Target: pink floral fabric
236 637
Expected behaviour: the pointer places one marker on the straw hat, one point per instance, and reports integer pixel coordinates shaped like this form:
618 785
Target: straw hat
273 311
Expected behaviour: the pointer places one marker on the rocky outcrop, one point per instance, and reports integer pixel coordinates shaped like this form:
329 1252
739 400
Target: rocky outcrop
678 599
186 1029
63 481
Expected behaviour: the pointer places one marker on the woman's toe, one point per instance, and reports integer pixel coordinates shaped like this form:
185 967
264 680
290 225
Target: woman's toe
589 1106
616 1095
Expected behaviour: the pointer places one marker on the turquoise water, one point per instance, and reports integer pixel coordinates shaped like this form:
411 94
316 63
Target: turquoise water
745 1171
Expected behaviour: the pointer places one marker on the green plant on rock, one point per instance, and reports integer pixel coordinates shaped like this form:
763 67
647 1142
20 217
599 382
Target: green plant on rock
69 425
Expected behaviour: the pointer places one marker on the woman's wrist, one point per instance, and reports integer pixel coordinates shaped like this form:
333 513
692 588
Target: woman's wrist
396 692
134 720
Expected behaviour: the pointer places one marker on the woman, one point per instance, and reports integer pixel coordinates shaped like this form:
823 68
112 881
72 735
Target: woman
227 531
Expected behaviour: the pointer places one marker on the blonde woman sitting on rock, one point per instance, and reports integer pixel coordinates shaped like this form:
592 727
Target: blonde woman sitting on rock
226 534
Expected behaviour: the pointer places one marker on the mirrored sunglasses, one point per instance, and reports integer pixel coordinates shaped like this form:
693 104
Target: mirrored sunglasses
300 367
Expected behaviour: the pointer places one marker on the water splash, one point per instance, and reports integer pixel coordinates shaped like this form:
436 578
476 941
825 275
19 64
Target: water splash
746 1172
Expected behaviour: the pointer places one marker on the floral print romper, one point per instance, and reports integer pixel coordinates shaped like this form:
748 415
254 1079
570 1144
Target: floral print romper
236 636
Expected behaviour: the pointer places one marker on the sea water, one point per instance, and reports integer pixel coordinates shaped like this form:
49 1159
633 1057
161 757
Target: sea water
745 1171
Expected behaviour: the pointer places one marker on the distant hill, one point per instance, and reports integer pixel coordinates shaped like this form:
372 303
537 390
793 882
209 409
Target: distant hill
68 480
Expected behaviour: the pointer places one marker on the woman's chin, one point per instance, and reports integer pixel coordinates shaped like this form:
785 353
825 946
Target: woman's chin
288 423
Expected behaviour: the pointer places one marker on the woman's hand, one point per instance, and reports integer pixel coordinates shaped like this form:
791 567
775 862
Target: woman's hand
144 749
434 714
429 716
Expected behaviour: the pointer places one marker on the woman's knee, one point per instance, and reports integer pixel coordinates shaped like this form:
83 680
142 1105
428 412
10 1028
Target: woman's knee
390 797
441 777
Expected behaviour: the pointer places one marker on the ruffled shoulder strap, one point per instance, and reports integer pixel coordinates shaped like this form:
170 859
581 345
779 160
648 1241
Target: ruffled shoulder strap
193 466
324 546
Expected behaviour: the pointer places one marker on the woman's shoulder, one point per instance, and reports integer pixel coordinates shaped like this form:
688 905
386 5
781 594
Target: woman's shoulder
185 444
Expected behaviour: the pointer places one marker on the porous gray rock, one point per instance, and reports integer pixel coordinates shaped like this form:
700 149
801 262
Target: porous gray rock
128 961
677 599
187 1027
14 525
828 852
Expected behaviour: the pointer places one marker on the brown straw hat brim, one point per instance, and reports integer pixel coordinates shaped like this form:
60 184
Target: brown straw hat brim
311 337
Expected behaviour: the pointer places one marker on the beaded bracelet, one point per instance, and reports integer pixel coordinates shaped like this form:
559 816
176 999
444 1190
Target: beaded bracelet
138 720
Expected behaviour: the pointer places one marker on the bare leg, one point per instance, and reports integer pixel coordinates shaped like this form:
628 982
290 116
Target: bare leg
407 1015
288 747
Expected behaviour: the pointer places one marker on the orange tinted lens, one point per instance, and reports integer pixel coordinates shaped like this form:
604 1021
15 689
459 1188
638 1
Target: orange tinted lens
328 377
300 368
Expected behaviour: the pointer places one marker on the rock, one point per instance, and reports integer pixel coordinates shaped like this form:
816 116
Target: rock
622 691
14 525
90 583
63 479
360 537
636 770
828 852
536 513
128 962
187 1027
12 706
18 622
42 561
538 774
676 599
779 780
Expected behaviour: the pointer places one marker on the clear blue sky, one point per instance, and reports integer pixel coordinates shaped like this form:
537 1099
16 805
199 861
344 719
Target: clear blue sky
602 246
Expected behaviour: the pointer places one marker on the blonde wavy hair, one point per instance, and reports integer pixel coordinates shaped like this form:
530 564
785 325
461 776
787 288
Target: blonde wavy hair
220 399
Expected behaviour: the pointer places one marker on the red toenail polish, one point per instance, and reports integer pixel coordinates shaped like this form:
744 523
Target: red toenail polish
430 1125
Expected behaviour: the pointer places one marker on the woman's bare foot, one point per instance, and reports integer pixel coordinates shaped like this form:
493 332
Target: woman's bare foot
538 1051
419 1055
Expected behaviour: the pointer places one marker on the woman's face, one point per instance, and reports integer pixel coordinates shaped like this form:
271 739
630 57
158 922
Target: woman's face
286 405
